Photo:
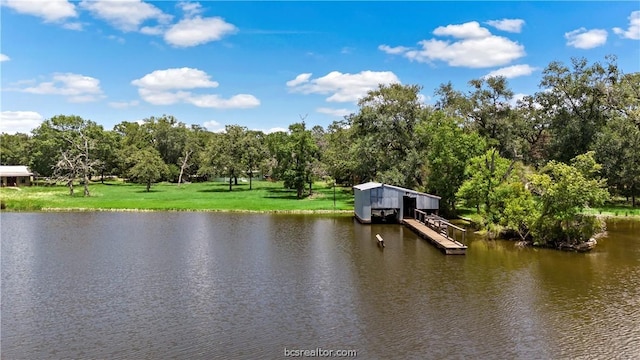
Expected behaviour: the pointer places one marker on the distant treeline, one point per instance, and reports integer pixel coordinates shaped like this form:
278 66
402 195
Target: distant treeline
480 146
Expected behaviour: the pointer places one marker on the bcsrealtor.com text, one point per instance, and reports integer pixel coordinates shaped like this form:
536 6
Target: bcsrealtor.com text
319 352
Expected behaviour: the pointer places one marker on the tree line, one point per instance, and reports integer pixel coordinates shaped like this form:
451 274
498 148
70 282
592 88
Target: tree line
518 162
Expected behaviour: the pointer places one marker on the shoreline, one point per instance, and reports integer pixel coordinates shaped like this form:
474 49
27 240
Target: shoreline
301 212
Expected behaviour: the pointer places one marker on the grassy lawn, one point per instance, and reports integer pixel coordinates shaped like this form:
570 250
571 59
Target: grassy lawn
209 196
614 210
617 209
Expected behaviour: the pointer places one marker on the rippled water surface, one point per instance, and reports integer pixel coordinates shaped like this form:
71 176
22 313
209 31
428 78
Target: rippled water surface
229 286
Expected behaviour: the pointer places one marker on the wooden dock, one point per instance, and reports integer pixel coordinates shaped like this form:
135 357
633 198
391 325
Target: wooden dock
436 231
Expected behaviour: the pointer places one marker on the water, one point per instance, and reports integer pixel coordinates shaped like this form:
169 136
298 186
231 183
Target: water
229 286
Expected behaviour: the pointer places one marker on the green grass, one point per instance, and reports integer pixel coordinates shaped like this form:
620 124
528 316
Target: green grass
208 196
617 209
614 210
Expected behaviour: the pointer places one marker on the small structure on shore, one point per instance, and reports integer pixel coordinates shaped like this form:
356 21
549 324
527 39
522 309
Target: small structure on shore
376 202
15 175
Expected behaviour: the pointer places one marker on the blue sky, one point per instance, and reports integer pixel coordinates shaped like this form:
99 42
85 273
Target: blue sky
264 65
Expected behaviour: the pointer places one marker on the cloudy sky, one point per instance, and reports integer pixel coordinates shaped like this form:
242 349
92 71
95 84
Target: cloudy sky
264 65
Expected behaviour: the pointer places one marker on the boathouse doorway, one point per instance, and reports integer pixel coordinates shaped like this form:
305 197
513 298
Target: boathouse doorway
408 205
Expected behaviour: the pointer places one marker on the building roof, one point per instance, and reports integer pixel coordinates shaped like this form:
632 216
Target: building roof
373 185
14 170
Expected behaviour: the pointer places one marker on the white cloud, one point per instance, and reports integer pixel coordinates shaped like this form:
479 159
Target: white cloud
166 87
12 122
125 15
342 87
176 78
633 32
124 104
76 26
509 25
152 30
77 88
4 58
477 47
197 31
213 126
470 30
190 9
275 129
393 50
240 101
334 112
586 39
516 98
424 99
118 39
300 79
49 11
513 71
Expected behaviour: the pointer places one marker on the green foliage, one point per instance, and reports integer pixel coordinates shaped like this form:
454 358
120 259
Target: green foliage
564 192
488 184
449 149
147 167
14 149
617 146
384 145
520 210
578 98
296 156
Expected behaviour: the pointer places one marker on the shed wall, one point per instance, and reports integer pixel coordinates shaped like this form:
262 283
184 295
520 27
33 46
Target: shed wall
362 204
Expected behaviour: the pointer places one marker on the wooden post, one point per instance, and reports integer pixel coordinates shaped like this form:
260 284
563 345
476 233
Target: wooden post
380 240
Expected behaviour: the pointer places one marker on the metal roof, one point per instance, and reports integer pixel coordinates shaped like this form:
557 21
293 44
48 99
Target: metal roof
373 185
14 170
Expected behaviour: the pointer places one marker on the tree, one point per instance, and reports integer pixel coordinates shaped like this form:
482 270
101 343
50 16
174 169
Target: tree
520 211
294 155
14 149
339 165
564 191
195 143
254 152
384 144
486 109
532 120
492 115
106 153
617 146
576 98
168 136
74 140
489 176
449 148
223 154
147 166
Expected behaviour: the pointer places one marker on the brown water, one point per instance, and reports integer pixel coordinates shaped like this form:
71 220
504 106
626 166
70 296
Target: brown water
229 286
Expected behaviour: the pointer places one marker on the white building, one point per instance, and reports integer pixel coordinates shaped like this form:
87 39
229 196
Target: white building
15 175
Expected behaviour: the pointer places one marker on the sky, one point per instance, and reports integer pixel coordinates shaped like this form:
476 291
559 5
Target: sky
266 65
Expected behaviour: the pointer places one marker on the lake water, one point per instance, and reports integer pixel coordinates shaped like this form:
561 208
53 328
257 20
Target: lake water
230 286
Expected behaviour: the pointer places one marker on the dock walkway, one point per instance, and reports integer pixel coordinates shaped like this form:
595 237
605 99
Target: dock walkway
436 231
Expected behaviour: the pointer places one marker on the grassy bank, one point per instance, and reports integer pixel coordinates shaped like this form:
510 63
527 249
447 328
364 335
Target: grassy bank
611 210
209 196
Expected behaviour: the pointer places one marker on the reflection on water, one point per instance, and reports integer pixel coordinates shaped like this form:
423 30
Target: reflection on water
229 286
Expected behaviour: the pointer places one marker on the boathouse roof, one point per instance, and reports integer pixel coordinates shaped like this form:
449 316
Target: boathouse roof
373 185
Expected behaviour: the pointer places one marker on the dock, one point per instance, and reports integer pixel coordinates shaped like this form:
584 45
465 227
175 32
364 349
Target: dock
439 232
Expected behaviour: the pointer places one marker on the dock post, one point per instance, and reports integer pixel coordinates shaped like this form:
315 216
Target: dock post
380 240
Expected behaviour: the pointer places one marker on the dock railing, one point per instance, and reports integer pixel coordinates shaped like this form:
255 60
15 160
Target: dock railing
442 226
